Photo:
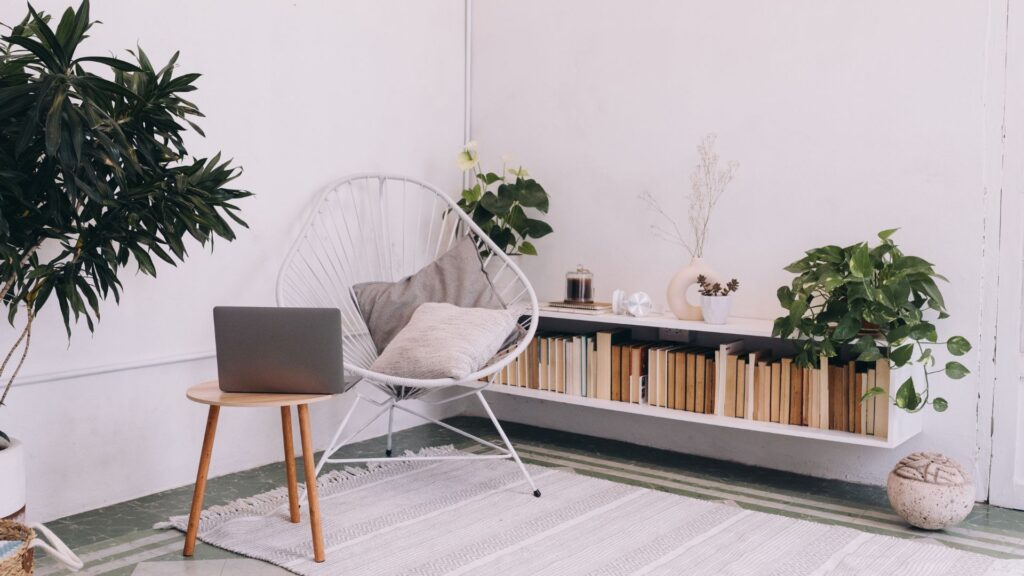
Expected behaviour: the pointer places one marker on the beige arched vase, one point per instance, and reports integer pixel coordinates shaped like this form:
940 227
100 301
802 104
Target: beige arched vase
680 301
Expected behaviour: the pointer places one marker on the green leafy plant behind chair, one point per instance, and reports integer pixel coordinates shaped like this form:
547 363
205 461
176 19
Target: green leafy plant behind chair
94 172
502 213
876 299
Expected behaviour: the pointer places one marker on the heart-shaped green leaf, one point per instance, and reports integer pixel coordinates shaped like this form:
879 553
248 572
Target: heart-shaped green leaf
958 346
956 370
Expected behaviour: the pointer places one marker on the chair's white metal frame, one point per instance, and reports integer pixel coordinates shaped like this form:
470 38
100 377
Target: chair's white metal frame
376 227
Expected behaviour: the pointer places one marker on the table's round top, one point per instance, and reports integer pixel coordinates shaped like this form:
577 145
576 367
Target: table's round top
210 393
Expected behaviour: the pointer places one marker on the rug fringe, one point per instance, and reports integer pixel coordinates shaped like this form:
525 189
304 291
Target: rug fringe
333 478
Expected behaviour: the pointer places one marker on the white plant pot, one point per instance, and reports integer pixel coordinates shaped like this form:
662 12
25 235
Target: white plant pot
12 481
716 308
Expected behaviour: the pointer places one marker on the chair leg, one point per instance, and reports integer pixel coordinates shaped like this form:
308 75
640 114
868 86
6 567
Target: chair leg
289 463
391 423
311 489
508 444
200 490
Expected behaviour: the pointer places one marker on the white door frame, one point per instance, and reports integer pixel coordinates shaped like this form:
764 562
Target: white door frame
1001 421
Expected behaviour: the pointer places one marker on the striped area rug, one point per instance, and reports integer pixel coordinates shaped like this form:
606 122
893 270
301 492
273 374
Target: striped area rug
466 517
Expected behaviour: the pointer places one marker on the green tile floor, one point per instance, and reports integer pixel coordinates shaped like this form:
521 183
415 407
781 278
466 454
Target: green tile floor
119 539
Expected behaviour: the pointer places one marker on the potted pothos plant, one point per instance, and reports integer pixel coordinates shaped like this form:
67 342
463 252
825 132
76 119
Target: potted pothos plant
506 206
880 302
94 178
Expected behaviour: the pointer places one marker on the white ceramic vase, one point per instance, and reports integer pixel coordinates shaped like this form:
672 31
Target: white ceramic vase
12 481
716 308
682 292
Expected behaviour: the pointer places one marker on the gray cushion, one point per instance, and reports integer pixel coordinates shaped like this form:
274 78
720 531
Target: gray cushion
445 341
457 277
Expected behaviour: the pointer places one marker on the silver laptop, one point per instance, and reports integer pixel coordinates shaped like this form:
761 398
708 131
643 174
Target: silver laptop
279 350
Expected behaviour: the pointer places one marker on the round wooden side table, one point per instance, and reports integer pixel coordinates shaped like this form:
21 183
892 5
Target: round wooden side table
210 393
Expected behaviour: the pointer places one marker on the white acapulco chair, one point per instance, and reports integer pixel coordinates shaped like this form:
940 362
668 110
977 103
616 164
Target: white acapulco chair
372 228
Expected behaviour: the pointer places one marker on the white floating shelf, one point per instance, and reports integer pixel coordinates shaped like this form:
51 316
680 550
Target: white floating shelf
903 423
759 327
902 426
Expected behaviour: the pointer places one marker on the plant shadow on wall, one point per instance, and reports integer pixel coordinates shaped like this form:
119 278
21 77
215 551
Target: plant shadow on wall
94 173
502 213
878 302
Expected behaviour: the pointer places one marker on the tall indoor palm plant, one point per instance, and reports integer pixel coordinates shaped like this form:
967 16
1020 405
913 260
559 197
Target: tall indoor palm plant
94 174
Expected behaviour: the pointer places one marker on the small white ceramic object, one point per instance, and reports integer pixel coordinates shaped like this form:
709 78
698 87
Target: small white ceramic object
682 300
930 491
716 308
639 304
619 301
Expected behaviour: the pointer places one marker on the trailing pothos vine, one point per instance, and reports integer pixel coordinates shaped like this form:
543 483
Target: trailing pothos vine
880 302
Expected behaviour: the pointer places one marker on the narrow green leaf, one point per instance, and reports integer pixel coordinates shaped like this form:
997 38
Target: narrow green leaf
885 234
860 262
876 391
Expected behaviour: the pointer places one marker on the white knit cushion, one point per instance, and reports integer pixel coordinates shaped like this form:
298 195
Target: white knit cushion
445 341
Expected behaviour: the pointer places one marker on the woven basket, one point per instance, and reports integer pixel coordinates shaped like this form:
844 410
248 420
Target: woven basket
19 563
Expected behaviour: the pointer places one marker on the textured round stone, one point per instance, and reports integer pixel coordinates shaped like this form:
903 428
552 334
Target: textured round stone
930 491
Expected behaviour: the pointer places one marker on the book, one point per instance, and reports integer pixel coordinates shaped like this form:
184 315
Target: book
561 368
542 361
699 382
673 379
627 353
605 339
775 395
786 394
870 404
749 385
591 351
637 371
796 395
652 375
742 389
852 398
615 392
760 413
813 400
710 384
823 398
599 307
727 380
862 413
882 400
690 386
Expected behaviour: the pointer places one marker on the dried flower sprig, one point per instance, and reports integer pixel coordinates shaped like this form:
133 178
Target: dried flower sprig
715 289
708 182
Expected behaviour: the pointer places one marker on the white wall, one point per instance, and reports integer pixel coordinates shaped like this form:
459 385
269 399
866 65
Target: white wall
299 93
846 119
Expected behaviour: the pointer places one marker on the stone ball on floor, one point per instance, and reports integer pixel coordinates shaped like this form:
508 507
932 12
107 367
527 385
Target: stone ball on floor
930 491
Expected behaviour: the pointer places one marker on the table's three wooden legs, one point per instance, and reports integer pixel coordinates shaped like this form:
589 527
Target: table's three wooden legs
309 468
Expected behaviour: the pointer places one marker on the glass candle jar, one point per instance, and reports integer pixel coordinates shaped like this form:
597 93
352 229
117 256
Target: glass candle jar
579 286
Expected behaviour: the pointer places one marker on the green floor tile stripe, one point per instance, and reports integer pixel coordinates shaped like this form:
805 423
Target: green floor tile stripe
817 514
110 549
990 535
